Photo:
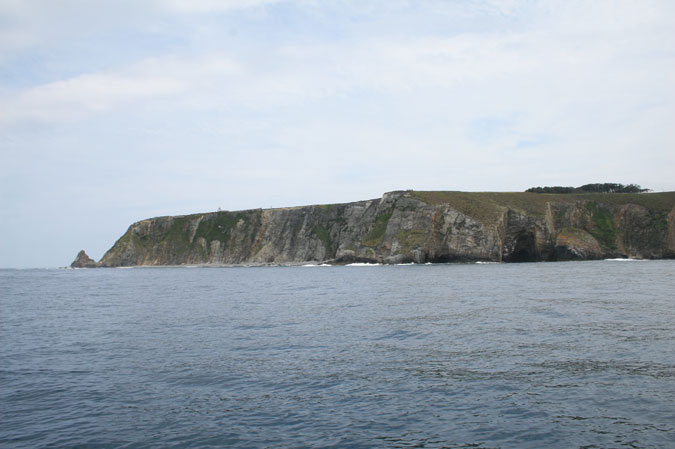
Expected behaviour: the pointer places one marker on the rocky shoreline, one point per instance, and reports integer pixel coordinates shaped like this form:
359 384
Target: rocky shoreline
408 226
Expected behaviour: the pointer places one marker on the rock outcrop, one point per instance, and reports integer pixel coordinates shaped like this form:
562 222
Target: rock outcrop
83 261
410 226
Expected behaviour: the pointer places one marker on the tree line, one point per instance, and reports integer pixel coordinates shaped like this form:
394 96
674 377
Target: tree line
607 187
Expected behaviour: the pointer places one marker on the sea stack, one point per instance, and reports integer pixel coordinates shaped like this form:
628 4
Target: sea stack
83 261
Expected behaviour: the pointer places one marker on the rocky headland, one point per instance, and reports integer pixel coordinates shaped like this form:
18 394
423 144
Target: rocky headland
410 226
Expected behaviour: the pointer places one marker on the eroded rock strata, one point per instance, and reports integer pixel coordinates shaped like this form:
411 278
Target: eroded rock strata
411 226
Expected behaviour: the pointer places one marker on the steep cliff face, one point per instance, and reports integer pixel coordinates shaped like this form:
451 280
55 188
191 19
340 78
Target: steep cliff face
412 227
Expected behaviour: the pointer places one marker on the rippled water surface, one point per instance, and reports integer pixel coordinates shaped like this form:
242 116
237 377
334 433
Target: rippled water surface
555 355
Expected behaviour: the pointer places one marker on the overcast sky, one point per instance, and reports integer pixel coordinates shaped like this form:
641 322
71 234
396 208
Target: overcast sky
111 112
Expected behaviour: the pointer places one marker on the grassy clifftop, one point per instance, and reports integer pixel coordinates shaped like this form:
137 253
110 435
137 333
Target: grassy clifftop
419 226
487 207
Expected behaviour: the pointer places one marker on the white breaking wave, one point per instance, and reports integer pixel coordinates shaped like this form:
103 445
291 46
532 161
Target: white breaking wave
627 260
360 264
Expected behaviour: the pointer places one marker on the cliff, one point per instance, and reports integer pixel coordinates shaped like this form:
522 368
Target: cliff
411 226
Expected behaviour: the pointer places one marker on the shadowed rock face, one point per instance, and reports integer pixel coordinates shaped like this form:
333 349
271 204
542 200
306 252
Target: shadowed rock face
411 226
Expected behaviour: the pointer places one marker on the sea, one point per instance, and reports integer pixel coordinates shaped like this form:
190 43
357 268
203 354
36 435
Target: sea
529 355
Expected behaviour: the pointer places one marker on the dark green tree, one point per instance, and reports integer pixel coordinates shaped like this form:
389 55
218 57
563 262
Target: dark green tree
607 187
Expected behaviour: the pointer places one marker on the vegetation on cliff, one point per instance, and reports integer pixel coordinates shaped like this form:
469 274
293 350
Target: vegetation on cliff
487 207
412 226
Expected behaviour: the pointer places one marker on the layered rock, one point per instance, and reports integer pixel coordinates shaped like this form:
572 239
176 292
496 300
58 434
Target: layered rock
412 226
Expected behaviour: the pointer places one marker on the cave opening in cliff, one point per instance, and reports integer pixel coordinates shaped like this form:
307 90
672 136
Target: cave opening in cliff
524 249
444 258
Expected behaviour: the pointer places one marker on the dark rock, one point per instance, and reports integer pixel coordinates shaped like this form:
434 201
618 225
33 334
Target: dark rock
83 261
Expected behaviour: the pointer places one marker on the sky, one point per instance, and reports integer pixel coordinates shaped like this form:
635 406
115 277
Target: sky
112 112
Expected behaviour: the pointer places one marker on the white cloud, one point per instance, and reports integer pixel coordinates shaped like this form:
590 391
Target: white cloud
80 96
551 81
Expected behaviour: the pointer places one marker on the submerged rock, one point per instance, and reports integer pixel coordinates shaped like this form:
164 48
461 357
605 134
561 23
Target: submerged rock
83 261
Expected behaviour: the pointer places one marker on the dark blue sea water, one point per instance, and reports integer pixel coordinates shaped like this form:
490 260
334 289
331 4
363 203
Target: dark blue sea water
546 355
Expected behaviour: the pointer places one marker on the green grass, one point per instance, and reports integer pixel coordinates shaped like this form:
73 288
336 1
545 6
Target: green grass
141 241
322 233
659 220
487 207
662 201
659 228
220 225
410 239
117 247
604 229
177 234
376 234
217 226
